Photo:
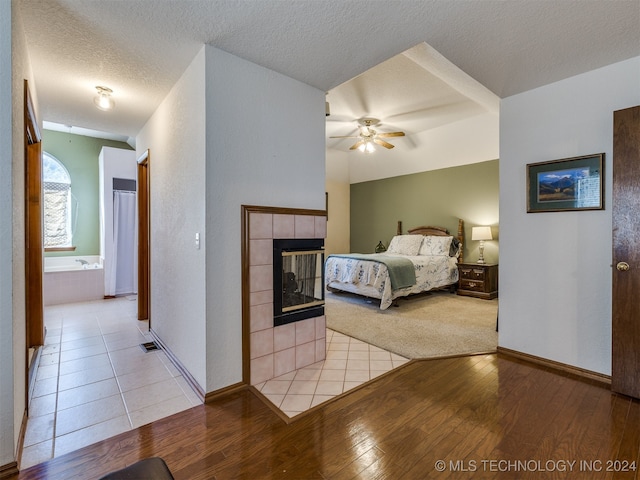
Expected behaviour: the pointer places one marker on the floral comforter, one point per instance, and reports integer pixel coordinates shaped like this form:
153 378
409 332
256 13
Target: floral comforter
371 278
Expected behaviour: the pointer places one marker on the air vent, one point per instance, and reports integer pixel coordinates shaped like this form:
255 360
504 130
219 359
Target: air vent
149 346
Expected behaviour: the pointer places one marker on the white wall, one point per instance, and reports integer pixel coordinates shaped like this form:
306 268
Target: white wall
338 238
20 71
112 163
175 137
337 185
6 289
13 51
555 274
265 146
472 140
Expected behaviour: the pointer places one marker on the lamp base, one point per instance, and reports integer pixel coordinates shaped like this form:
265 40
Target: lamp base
481 251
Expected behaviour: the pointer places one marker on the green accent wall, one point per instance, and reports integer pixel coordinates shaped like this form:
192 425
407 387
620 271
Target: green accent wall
79 154
437 197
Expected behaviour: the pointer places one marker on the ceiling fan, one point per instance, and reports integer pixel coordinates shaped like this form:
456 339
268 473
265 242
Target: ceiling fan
368 136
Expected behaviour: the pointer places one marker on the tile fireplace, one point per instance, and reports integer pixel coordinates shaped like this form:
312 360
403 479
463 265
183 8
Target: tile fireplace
278 346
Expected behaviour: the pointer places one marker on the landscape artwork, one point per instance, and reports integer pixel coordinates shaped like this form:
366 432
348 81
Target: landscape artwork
561 185
568 184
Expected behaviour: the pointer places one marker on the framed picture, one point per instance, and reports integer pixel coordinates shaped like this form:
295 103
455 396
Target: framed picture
569 184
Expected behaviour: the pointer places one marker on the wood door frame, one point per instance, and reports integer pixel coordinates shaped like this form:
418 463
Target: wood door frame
34 308
33 243
144 238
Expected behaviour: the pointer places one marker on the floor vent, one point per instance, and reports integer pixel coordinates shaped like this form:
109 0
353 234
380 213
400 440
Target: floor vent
149 346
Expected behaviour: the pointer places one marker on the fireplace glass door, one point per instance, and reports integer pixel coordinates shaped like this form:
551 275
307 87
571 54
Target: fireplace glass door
302 282
298 280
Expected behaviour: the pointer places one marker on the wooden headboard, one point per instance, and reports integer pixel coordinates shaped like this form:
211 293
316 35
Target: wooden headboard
441 231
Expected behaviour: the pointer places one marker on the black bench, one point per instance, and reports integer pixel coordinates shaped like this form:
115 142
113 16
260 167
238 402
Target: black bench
150 468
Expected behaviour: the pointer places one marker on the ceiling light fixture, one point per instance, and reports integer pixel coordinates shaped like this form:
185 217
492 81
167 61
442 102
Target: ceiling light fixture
104 101
368 138
367 146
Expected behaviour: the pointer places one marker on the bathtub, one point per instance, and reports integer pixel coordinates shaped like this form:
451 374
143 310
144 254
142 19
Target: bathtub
64 264
67 280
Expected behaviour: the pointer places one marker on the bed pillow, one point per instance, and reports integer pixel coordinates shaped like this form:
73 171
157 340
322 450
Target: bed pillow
405 245
435 245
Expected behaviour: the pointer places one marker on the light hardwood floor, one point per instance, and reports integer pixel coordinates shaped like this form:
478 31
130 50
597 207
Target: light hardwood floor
485 416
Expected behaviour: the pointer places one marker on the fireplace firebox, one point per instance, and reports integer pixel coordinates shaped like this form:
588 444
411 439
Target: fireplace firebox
298 279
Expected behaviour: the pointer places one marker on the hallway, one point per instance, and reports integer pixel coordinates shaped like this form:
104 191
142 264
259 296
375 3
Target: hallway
95 380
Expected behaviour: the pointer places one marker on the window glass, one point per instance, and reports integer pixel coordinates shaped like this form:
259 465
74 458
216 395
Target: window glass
56 186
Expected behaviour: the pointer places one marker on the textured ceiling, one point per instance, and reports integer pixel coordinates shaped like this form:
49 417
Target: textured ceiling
139 48
414 91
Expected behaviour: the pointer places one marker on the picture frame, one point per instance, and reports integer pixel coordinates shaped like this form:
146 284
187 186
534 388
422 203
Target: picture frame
568 184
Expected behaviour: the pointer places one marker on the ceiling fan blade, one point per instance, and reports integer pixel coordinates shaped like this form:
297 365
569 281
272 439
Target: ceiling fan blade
345 136
356 145
382 143
391 134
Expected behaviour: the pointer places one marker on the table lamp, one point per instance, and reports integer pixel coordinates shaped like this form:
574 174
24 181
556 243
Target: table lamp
482 234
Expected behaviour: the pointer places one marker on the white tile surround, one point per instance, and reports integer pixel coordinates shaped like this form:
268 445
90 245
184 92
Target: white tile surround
275 351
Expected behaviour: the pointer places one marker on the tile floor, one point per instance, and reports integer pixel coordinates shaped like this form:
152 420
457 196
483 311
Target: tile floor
349 363
95 381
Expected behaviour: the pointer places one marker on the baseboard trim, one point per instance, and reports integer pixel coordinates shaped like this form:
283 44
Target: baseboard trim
33 369
185 373
558 366
284 417
21 434
9 470
271 406
223 392
204 397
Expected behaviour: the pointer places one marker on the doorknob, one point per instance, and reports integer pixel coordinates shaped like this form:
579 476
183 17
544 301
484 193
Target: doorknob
622 266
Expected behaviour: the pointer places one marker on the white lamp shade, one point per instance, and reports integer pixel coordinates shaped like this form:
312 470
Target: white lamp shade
481 233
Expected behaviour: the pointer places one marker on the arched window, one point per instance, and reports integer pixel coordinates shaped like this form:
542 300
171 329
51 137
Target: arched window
56 186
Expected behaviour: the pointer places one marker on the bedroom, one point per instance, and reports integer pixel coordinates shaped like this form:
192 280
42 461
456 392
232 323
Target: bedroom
443 169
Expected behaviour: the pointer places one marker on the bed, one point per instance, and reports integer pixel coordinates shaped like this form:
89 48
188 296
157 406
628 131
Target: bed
424 259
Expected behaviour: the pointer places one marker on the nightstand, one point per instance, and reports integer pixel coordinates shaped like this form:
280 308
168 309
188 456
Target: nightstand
478 280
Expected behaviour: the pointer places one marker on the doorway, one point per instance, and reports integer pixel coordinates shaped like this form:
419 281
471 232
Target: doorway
144 237
34 313
124 228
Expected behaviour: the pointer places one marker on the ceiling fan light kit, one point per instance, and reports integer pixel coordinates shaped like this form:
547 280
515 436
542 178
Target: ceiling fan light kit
367 147
368 136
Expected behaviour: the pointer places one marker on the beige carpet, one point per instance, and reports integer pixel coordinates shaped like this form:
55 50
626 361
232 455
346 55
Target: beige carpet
427 325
